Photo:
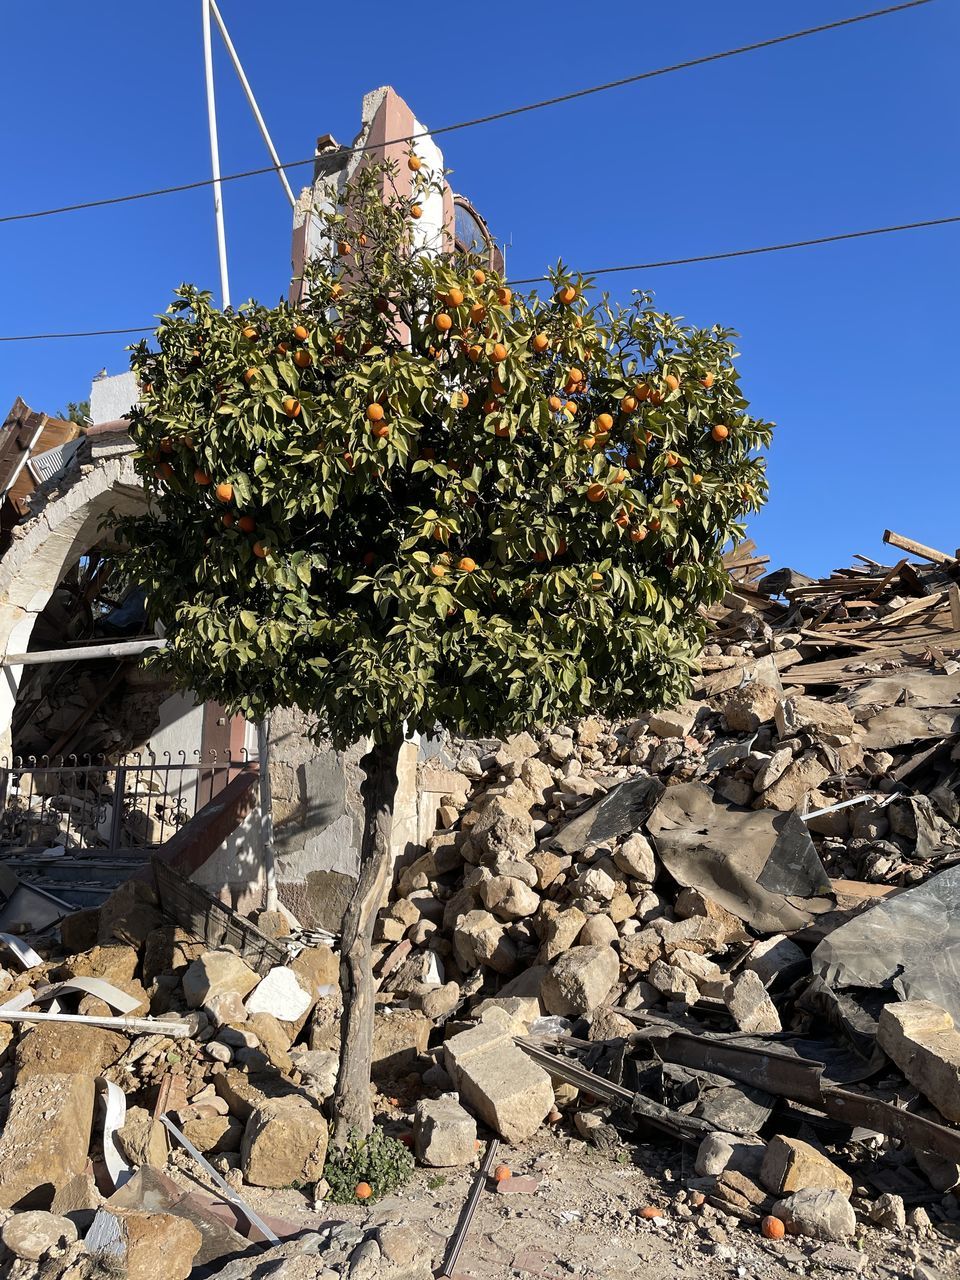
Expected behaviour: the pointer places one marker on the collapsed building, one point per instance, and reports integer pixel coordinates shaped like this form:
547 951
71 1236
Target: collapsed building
727 928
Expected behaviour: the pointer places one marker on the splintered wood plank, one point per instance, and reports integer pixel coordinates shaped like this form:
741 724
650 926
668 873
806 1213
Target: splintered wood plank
917 548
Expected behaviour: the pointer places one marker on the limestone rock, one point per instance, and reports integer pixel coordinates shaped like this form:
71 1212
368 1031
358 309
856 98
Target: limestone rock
639 950
830 722
215 972
30 1235
921 1039
750 1007
479 939
503 827
283 1142
750 706
776 957
792 1165
548 866
399 1037
889 1211
581 979
496 1081
148 1237
677 722
558 929
635 857
509 898
673 982
46 1136
214 1134
68 1048
820 1214
599 931
281 995
799 778
142 1139
443 1133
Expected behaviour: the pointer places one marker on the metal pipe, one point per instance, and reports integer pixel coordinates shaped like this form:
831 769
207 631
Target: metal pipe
266 814
261 123
83 653
215 154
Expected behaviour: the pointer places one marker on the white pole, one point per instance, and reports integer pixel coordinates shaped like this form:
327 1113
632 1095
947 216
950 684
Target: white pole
215 154
261 123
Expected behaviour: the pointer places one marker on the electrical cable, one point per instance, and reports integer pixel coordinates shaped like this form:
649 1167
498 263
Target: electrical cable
633 266
478 120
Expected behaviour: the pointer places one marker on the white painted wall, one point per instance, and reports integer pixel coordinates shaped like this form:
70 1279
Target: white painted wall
113 396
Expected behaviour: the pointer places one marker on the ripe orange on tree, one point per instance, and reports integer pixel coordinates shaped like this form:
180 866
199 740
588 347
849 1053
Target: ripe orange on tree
588 442
442 322
246 524
628 404
555 403
672 381
227 520
224 491
291 407
164 471
260 551
414 163
467 564
498 353
571 408
566 295
478 276
201 477
302 359
638 533
454 297
374 412
707 381
249 375
477 313
438 570
504 295
416 211
575 375
696 478
720 432
301 333
344 248
540 342
641 391
596 492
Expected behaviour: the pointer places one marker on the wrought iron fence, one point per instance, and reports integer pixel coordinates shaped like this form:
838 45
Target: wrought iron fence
90 803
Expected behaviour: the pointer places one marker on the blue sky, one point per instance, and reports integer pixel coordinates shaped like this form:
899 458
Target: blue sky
850 348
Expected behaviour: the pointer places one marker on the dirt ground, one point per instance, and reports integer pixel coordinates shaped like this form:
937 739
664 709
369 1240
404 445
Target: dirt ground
583 1220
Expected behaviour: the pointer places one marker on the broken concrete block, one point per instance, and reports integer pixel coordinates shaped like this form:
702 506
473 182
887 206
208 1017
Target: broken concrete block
581 979
399 1037
443 1133
750 1007
215 972
792 1165
820 1214
281 995
46 1136
30 1235
677 722
921 1039
284 1142
830 722
495 1080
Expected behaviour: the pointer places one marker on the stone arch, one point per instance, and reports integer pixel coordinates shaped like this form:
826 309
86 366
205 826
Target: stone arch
65 524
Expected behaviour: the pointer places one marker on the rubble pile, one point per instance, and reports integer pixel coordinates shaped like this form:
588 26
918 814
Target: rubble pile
729 927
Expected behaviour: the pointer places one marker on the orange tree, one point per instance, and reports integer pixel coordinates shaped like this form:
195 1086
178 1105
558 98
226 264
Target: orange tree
418 498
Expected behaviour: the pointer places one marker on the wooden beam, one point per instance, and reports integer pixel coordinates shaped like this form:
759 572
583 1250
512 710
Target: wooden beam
83 653
917 548
955 607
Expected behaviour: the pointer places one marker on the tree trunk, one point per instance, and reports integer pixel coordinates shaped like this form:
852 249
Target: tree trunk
352 1108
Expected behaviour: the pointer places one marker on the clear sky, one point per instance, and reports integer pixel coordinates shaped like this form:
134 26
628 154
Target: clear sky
850 348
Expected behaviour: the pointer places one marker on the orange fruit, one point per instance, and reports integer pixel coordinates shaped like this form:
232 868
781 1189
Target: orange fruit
539 557
438 570
478 276
555 403
249 375
302 359
650 1211
491 406
260 551
696 478
655 524
566 295
619 476
416 211
596 581
707 381
348 459
502 1172
300 333
363 1191
596 492
499 352
474 353
638 534
442 321
248 331
672 460
672 381
720 432
772 1228
621 518
201 477
575 376
460 400
166 445
628 404
502 430
291 407
496 385
246 524
343 248
164 471
540 342
374 412
362 240
381 430
571 408
604 422
467 565
655 397
504 295
631 460
224 492
227 520
414 163
588 442
477 312
282 348
336 291
454 297
641 391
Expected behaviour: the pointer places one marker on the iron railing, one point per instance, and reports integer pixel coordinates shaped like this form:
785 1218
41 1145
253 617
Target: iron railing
90 803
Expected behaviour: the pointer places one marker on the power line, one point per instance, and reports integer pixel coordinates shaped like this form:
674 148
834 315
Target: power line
478 120
599 271
767 248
